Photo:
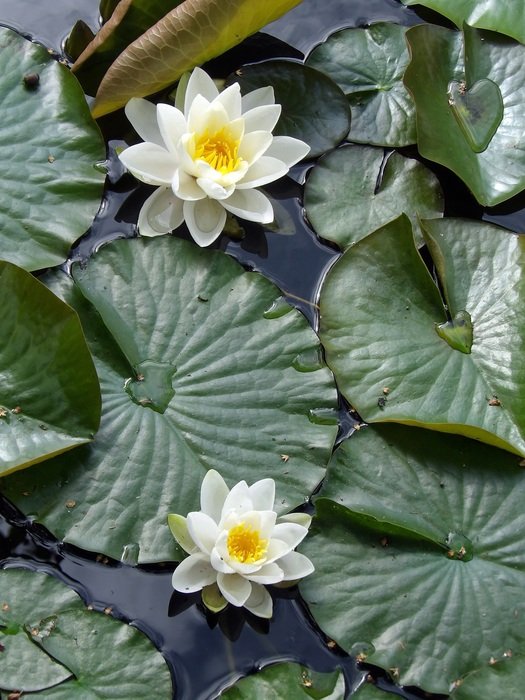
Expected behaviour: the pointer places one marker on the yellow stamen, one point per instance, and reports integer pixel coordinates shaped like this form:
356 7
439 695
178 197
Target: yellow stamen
246 544
219 150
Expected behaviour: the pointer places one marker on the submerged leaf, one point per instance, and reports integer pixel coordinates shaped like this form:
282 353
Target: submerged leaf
192 33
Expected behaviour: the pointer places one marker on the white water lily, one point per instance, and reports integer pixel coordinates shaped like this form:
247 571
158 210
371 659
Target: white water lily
237 545
209 159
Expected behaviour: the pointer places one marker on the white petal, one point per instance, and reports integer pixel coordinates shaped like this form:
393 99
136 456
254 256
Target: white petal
230 99
234 588
143 116
206 118
203 530
251 205
238 500
291 533
288 149
261 520
257 98
262 118
185 186
205 220
267 574
276 550
254 144
262 494
193 573
299 518
160 213
149 163
179 529
260 602
264 170
213 494
218 560
213 189
172 125
199 83
295 566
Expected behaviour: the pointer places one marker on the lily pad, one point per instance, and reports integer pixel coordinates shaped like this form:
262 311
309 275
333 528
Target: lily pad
499 678
49 391
51 644
506 18
189 35
354 190
418 554
49 150
469 91
315 109
129 20
399 355
291 681
368 65
202 365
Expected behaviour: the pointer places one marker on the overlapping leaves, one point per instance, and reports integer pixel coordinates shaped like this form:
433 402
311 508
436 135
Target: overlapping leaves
201 366
53 647
418 551
49 150
49 391
402 353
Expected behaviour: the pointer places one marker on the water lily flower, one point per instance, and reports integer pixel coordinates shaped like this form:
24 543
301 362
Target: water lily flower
209 159
237 545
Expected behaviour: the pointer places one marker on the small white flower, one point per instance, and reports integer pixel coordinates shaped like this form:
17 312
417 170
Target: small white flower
209 159
236 545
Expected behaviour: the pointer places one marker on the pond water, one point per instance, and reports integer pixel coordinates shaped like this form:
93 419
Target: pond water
206 652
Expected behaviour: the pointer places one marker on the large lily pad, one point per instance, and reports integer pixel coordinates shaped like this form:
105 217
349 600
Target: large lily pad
191 34
202 365
503 678
314 108
398 355
354 190
368 65
49 149
51 644
129 20
291 681
506 18
418 554
469 91
49 391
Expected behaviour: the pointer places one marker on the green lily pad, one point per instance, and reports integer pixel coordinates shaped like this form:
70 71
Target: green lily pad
395 354
53 645
251 398
314 108
506 18
418 555
469 91
129 20
191 34
354 190
368 65
49 390
49 149
499 678
291 681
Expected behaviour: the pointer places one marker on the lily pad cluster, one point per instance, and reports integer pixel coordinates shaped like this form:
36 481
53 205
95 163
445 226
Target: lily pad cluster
199 364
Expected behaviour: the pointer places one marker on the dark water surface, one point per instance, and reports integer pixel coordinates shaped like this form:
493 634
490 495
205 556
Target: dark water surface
207 652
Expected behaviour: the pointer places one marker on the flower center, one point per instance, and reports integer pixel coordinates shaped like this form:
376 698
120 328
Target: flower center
245 544
219 150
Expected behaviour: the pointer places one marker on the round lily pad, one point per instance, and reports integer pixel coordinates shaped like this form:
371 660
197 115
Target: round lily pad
401 351
202 365
49 393
314 108
354 190
417 546
49 151
498 678
368 65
